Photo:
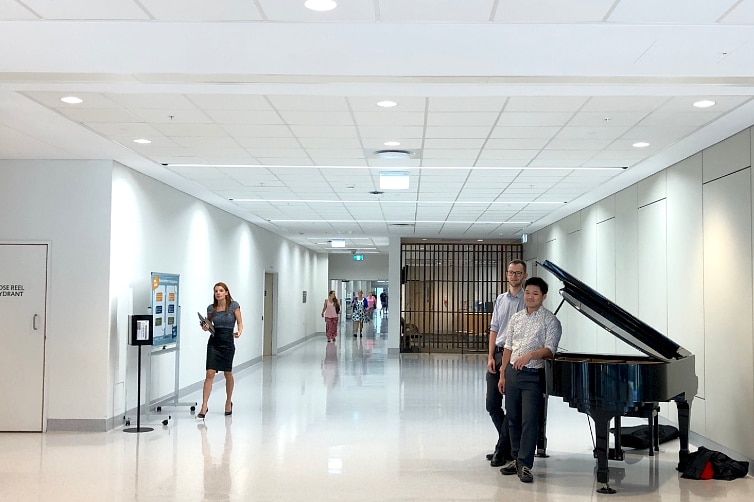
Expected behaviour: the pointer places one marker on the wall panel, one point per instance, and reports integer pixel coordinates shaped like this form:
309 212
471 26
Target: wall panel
652 189
728 156
605 281
685 262
626 250
728 311
653 292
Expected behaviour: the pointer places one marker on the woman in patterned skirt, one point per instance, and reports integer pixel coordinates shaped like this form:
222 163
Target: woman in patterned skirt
331 313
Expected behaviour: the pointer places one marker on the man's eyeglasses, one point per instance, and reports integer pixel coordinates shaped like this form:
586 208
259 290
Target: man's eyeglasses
514 272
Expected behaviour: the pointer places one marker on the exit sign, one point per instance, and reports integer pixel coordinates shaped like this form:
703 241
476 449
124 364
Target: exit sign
358 257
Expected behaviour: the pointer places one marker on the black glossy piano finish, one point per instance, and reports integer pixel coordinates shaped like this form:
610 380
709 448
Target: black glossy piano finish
610 386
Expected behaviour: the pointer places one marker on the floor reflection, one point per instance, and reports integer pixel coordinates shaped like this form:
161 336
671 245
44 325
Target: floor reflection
217 478
343 422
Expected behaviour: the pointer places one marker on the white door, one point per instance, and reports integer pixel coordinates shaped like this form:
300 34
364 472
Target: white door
23 293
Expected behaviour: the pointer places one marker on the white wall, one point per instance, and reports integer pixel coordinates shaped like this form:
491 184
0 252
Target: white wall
67 203
97 277
159 229
677 253
373 267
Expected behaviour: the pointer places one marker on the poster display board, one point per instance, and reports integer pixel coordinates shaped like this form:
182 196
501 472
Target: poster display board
166 321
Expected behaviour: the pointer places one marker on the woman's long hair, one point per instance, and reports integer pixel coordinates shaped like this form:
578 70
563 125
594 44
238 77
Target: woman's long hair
334 298
228 298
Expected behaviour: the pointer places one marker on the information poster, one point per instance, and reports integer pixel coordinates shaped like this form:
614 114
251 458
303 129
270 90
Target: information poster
165 308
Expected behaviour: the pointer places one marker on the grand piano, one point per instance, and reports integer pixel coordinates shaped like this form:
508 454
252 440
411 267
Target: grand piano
606 387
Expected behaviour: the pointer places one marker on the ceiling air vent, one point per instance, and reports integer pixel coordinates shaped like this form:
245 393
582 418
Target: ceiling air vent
393 154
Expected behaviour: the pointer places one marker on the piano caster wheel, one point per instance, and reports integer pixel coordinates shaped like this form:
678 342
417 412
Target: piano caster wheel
606 489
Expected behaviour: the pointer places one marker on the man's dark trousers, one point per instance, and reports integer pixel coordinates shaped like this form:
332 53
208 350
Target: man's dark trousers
523 402
494 406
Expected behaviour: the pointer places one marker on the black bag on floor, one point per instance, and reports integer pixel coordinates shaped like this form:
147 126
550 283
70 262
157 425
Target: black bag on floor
638 437
710 464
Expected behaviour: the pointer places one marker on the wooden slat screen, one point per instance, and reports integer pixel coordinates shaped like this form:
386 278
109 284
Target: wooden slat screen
448 292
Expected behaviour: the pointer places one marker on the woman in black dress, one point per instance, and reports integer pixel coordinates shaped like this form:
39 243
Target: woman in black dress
224 314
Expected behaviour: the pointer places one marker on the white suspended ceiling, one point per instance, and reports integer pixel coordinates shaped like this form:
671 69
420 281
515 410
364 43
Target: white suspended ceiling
515 114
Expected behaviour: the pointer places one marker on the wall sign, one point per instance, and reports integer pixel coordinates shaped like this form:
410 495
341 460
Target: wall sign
11 290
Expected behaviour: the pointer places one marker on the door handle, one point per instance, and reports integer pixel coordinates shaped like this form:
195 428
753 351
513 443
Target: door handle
34 322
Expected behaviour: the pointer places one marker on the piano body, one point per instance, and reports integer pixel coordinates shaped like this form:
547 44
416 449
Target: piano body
610 386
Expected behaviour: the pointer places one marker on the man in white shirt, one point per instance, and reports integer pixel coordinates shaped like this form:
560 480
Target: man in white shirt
506 305
533 335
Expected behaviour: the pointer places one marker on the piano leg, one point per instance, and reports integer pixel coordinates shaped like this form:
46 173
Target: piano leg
617 453
542 435
684 421
655 430
602 444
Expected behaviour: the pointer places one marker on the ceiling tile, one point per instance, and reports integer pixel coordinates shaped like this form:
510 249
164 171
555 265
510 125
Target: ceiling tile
552 11
196 10
389 118
83 9
248 117
447 11
669 11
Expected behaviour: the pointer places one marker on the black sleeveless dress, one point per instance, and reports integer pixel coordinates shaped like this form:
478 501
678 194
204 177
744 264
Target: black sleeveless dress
221 347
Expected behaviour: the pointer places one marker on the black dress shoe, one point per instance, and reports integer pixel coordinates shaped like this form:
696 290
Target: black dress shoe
489 456
497 459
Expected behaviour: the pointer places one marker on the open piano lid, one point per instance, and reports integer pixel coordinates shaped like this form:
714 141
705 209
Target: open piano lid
614 319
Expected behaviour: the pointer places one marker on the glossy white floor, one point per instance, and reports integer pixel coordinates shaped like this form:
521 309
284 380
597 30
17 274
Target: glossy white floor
341 422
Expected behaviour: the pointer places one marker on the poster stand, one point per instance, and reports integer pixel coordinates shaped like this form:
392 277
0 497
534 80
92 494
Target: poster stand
166 312
171 400
140 330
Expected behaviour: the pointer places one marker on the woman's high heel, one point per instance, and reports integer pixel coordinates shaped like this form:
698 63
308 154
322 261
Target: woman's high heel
202 415
229 413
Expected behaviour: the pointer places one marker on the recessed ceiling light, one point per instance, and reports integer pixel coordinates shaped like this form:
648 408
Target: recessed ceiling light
387 104
142 141
391 143
338 243
72 100
396 180
641 144
320 5
705 103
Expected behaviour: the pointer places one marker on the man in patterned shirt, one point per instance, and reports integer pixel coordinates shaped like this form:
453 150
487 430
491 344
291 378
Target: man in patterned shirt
533 335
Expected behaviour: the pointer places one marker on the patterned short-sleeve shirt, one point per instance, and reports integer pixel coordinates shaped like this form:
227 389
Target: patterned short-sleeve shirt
529 332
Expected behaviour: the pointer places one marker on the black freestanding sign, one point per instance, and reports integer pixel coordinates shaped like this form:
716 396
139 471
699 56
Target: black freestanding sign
140 333
140 330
